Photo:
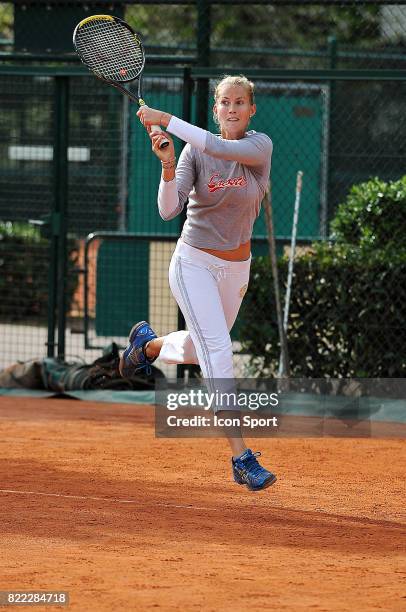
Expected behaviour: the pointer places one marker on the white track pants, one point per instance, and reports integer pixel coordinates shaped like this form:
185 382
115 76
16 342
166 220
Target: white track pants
209 292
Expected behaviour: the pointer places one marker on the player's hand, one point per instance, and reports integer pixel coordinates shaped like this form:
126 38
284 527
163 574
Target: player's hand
151 116
168 152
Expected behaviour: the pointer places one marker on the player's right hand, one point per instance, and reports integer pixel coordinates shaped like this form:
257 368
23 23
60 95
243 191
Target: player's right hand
168 152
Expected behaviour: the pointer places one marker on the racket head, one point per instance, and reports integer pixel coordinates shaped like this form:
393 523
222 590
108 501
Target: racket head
110 48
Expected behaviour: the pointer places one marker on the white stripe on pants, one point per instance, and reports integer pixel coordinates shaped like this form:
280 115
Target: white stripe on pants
209 292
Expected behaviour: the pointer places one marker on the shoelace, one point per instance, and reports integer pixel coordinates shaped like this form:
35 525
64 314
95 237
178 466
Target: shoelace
145 367
252 464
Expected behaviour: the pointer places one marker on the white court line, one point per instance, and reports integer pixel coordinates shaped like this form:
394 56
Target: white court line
107 499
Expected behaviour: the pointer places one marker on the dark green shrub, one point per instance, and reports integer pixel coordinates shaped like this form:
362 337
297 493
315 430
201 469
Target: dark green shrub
346 319
348 306
24 265
373 217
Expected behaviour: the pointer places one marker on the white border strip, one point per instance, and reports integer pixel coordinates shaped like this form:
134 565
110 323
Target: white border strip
106 499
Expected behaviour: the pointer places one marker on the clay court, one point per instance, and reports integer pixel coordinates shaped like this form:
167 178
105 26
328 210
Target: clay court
94 504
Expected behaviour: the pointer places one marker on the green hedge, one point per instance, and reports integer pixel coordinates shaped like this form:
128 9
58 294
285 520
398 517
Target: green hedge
348 306
24 265
346 319
373 217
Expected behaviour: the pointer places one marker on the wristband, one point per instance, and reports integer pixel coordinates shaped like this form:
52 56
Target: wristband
170 163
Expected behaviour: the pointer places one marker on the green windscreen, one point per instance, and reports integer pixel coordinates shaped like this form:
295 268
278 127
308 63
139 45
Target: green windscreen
121 286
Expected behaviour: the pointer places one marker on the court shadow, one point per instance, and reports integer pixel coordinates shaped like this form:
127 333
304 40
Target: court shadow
40 499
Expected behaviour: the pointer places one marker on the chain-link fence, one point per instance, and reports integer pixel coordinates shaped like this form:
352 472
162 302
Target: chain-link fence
226 33
330 88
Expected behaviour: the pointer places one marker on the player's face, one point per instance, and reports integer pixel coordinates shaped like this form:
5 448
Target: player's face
233 110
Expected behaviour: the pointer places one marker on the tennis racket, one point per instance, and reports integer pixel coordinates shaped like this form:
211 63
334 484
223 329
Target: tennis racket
111 49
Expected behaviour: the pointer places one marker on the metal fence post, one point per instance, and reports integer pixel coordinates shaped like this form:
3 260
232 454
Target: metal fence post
203 59
186 115
58 248
332 53
52 284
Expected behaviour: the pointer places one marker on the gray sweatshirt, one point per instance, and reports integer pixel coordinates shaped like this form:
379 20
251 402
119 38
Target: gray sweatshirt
225 183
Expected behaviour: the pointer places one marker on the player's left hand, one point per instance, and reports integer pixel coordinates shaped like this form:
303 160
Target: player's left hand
151 116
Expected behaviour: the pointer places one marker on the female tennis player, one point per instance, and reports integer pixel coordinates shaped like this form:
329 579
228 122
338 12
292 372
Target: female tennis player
224 178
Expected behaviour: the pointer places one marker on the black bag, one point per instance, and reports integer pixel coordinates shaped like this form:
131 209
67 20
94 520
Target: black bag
56 375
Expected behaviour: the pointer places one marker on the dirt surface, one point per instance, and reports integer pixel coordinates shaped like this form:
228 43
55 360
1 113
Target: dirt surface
93 504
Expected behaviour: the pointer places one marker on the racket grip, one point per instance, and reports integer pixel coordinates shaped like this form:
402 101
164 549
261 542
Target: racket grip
165 141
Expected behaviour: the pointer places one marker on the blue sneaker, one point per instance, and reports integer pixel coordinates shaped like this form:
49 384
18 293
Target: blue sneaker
247 471
133 359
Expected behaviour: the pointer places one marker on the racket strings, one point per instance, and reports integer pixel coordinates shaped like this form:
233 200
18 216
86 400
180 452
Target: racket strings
110 50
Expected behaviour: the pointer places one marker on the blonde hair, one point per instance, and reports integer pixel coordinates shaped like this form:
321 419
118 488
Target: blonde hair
236 80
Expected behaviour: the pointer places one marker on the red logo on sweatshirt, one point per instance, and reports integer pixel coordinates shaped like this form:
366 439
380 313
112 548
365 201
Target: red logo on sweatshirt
220 183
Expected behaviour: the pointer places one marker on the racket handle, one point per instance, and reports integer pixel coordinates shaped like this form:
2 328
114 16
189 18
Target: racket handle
155 128
165 141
